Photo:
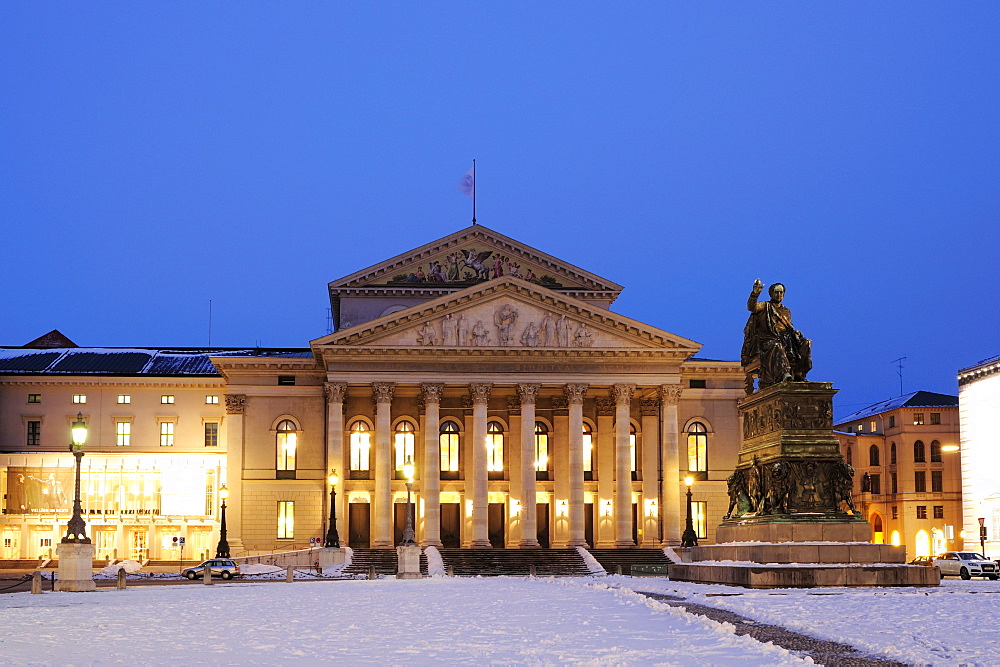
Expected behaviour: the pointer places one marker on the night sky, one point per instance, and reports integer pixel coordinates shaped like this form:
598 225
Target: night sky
156 156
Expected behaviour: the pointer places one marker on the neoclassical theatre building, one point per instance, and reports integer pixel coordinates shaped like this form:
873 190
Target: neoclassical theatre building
533 413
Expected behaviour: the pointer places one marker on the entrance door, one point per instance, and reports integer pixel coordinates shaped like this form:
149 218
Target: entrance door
399 523
42 543
359 526
140 545
198 545
542 514
10 544
588 523
635 524
496 526
104 543
451 526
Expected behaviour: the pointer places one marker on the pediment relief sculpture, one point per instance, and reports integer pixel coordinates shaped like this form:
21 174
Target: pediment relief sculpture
548 331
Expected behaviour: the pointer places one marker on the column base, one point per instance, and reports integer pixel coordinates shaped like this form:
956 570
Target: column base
480 544
437 544
624 544
577 543
76 567
385 544
529 544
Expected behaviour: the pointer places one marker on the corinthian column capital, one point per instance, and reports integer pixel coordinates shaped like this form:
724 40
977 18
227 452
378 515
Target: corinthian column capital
528 393
431 392
670 393
622 393
575 393
382 391
335 392
480 392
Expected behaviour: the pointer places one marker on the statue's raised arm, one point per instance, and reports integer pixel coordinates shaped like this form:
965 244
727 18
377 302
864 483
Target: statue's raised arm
772 348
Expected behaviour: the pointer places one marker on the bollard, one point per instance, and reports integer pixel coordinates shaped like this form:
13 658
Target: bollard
121 579
36 583
618 569
372 574
451 570
531 570
290 574
207 578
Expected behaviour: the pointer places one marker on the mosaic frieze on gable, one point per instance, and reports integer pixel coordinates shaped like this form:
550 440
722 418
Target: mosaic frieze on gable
472 264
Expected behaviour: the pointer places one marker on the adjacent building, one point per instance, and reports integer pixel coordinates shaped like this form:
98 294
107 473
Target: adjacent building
534 414
908 470
979 415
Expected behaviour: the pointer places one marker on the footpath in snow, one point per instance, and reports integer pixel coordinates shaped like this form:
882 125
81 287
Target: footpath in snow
457 621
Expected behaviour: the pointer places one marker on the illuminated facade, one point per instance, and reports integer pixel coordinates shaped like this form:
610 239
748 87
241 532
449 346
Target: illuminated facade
908 476
535 415
979 413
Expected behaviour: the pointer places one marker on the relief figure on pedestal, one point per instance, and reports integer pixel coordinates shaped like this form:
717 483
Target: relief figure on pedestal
562 332
769 339
843 486
778 488
463 330
449 330
739 500
480 336
530 336
504 320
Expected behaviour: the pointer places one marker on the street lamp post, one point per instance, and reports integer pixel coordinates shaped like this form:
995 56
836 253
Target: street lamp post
332 536
222 548
982 535
408 470
689 538
76 529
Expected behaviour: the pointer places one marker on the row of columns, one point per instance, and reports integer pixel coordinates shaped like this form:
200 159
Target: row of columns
382 393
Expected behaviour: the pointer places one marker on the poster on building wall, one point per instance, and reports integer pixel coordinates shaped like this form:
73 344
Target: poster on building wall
39 490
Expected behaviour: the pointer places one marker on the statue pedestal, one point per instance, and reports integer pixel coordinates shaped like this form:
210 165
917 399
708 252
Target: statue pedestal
76 567
409 562
787 524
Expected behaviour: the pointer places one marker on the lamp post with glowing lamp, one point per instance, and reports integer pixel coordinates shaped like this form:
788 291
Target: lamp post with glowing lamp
75 551
76 529
332 536
222 548
689 538
408 471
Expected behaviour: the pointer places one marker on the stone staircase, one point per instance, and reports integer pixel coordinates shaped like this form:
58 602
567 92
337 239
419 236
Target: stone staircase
385 562
514 562
611 559
31 564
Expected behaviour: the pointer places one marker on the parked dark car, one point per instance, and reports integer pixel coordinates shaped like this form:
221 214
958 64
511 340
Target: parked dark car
926 561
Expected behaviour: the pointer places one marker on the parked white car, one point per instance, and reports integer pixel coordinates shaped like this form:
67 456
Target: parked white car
966 564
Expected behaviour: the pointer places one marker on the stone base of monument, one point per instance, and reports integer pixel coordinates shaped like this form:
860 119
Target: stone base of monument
409 562
76 567
804 575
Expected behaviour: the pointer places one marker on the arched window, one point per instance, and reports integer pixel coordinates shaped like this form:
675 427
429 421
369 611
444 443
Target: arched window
449 449
850 456
541 450
873 455
895 540
878 536
403 445
935 451
631 451
286 446
494 448
923 544
918 452
892 453
361 440
697 447
588 452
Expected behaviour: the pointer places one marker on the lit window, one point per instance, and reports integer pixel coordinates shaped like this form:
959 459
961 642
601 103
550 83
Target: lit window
34 398
588 451
939 511
123 433
697 448
34 433
895 512
873 426
699 517
211 399
631 449
873 457
449 447
494 447
541 447
935 418
921 511
286 519
861 428
361 439
211 434
166 434
918 418
286 441
167 399
404 443
79 398
919 455
124 399
935 451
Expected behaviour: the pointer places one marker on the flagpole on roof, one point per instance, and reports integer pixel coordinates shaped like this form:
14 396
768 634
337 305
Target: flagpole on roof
473 190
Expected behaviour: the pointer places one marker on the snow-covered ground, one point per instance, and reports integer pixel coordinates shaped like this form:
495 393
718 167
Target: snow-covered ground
955 623
386 621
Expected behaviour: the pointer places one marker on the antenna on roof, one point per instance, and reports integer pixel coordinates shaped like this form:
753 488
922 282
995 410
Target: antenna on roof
210 323
899 371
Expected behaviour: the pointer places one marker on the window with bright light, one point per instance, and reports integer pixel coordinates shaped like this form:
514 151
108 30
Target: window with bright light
699 517
79 398
286 519
631 450
404 444
211 399
918 418
166 434
361 442
494 447
124 399
541 447
211 434
34 398
449 447
588 452
123 433
287 444
167 399
697 447
873 426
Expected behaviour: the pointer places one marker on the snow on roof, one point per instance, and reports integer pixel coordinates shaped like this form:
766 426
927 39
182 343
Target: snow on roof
128 361
916 399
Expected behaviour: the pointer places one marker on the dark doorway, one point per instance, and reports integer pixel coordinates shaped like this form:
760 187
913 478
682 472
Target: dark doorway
542 514
497 524
588 523
635 523
451 526
399 523
359 526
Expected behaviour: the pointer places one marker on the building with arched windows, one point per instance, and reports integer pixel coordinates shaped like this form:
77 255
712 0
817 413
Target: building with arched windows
908 480
534 414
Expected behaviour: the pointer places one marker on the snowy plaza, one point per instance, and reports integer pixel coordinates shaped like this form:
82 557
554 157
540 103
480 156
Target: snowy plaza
488 621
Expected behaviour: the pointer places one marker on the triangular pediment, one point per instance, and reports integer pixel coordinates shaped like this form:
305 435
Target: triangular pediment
508 313
472 256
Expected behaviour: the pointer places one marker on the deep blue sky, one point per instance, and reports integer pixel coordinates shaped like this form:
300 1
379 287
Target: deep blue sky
156 156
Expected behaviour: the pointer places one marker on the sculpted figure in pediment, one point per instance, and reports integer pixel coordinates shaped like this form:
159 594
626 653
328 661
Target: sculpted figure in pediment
583 337
530 336
547 331
562 332
504 319
449 330
480 336
463 330
426 335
